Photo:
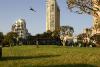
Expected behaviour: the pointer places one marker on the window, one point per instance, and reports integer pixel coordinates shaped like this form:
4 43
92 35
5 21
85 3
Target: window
52 8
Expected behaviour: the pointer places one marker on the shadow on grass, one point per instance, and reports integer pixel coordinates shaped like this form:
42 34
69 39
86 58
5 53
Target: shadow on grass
26 57
66 65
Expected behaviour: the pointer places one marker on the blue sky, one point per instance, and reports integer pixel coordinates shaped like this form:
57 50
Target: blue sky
12 10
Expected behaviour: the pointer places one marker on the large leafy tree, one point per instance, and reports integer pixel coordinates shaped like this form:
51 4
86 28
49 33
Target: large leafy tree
91 7
84 6
80 37
11 37
96 37
66 32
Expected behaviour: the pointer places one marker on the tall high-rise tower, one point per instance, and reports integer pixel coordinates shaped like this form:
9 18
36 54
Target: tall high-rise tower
52 16
96 17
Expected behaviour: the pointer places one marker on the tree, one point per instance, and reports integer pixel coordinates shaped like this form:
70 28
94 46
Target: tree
82 38
1 37
96 37
91 7
97 25
55 34
46 34
84 6
11 37
66 32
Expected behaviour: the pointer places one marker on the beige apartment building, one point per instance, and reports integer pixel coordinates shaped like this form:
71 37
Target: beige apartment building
52 16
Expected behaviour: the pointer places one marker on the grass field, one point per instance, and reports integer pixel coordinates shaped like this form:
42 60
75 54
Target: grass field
50 56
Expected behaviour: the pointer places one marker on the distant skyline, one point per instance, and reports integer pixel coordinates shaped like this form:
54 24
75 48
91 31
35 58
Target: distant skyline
12 10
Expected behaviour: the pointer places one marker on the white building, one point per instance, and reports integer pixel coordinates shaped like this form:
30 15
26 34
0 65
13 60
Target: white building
20 28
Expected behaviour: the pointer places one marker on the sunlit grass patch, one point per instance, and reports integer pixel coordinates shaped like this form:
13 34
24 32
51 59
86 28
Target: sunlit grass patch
50 56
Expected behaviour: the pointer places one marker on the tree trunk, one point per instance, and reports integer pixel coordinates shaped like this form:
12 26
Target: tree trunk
0 51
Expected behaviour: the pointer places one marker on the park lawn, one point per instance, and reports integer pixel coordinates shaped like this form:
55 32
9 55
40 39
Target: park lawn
50 56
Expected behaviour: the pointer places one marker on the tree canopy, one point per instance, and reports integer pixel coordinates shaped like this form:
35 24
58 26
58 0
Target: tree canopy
10 37
67 30
84 6
1 37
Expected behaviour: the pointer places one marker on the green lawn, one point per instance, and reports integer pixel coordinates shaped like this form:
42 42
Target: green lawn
50 56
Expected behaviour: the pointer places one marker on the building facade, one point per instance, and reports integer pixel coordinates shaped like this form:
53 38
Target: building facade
52 16
20 28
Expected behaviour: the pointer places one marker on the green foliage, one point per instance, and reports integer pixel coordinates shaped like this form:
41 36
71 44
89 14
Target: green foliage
1 37
55 34
81 36
96 37
67 30
50 56
49 34
10 37
83 6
